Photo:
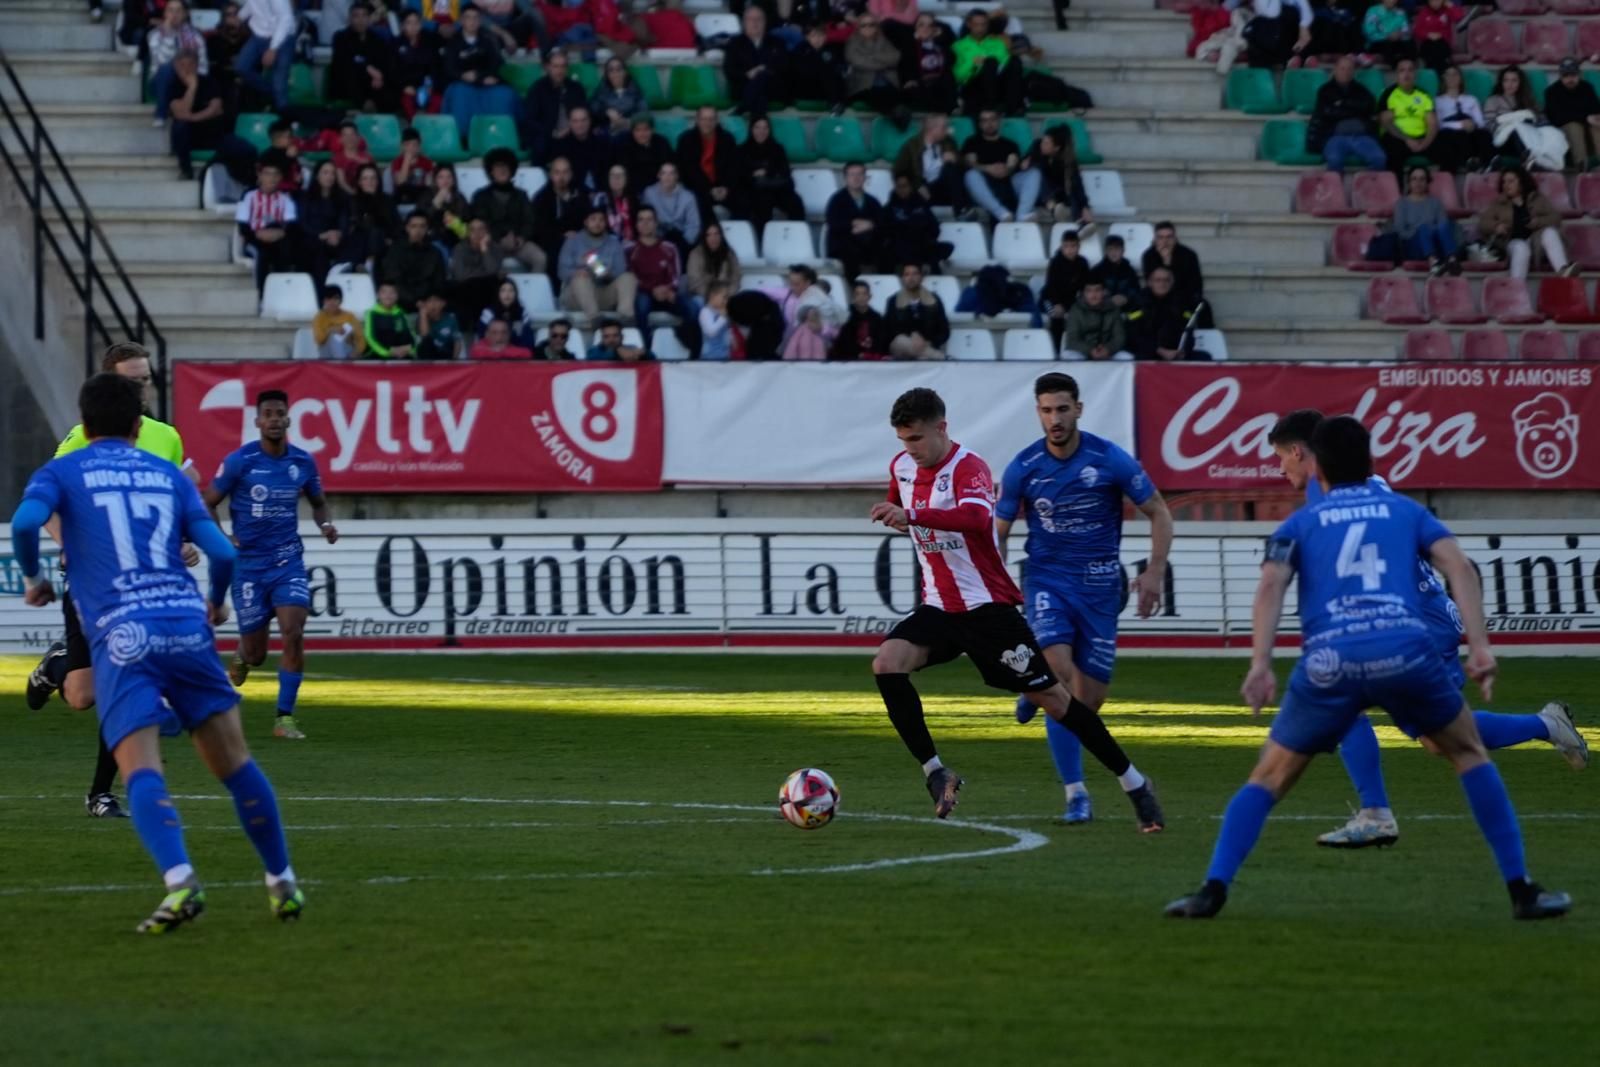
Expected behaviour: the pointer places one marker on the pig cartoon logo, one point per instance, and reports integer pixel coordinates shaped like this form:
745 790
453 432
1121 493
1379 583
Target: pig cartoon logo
1547 435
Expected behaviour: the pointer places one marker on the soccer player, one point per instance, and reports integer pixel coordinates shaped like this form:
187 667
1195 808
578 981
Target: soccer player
65 665
1375 823
943 496
1366 644
264 482
124 515
1071 484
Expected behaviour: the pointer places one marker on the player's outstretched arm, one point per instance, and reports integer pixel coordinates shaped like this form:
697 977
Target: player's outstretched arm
30 518
1447 558
1260 686
1150 583
220 557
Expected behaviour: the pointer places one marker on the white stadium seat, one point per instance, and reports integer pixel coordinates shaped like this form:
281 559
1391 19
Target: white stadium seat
530 180
816 187
357 289
289 296
632 336
1018 246
470 178
880 183
972 250
784 243
741 237
709 24
1211 341
1028 344
1091 248
535 293
1136 237
666 346
763 280
577 343
970 344
948 290
883 286
838 291
1106 197
205 21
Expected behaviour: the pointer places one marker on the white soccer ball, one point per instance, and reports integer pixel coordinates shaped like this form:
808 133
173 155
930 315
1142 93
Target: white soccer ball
809 799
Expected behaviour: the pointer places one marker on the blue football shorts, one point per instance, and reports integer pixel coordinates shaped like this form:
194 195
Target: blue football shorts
258 593
140 663
1334 682
1083 618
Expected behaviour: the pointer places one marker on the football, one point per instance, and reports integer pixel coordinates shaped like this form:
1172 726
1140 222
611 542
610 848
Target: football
808 799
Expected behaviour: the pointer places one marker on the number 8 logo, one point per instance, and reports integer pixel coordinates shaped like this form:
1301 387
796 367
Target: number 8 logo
598 411
599 404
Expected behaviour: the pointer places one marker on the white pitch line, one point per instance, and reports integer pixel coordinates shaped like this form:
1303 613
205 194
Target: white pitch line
1532 816
530 684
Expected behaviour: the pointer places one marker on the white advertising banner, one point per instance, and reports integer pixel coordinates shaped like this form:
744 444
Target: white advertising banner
530 584
828 423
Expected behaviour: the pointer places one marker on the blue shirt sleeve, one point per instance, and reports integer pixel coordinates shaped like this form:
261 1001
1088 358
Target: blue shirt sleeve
313 488
1429 530
1010 504
1130 477
30 518
227 474
45 487
191 507
1284 544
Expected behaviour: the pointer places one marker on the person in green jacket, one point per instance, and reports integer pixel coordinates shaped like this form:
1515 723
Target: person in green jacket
1095 329
989 76
388 328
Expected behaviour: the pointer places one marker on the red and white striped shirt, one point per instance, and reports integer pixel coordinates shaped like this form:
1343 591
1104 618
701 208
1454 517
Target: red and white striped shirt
951 511
262 211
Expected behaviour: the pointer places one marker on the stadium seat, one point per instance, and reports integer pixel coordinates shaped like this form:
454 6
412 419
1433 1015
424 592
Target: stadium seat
1588 347
1566 301
665 346
1587 191
305 85
1481 191
1027 345
1373 79
1321 193
815 186
441 140
736 126
1349 248
1429 345
521 76
587 75
648 78
1092 247
1520 7
535 292
788 242
1574 7
1542 346
1494 41
357 289
1554 188
1374 193
883 287
1479 81
671 127
1018 131
469 179
880 184
253 126
578 342
1136 238
1107 199
1019 247
1443 186
1251 90
1546 41
530 180
791 133
709 24
839 140
838 290
741 237
1082 143
1583 244
382 134
1284 142
1450 300
971 250
1394 300
765 282
1506 301
492 131
693 86
1300 89
1588 37
970 345
632 336
1485 346
948 290
1538 82
1428 81
289 296
962 127
1213 343
887 138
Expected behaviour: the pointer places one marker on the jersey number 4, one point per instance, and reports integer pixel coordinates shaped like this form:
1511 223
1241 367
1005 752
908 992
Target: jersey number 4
1357 560
145 506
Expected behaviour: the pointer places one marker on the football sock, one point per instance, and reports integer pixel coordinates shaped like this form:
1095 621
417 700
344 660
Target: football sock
1503 731
157 821
1491 806
1241 825
1084 722
257 807
905 711
55 670
1065 750
1131 779
1359 751
105 769
929 766
288 691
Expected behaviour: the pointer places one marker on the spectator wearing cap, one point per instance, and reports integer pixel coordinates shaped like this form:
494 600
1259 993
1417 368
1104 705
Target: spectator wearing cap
1095 329
472 60
989 75
1572 105
360 70
586 149
593 271
643 153
1064 279
413 266
1278 30
658 268
1158 323
559 208
855 224
1167 251
1407 118
995 179
194 102
932 162
676 210
754 64
709 165
263 63
927 69
507 211
1117 274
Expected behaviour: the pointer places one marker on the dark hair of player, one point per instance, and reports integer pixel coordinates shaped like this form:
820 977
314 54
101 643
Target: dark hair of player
121 352
1343 449
268 395
110 405
1055 382
1295 428
914 406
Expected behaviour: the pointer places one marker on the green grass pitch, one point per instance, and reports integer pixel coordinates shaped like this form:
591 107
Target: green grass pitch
491 924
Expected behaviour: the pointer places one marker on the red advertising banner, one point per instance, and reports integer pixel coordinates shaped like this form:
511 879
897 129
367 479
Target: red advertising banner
478 427
1451 426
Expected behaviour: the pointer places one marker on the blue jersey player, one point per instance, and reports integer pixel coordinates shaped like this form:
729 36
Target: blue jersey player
1070 484
263 483
1365 643
1374 823
124 517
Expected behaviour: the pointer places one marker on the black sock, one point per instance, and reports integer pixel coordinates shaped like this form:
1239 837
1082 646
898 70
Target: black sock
1086 723
905 711
105 771
55 670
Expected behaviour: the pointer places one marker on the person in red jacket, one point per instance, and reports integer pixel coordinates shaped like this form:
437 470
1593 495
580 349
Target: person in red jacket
570 25
659 269
496 344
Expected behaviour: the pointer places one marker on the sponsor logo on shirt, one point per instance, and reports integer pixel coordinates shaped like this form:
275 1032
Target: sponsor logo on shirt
1018 658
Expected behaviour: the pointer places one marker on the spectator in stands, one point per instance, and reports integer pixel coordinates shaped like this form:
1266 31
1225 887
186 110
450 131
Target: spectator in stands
861 336
665 26
263 63
617 100
1117 274
416 68
588 151
475 256
802 291
676 210
1166 251
1512 93
373 219
1464 141
754 65
411 172
1407 118
446 208
359 71
1423 225
608 345
172 35
336 332
927 79
437 327
388 328
768 179
1387 31
507 211
514 23
1064 279
568 23
324 211
914 319
559 208
989 75
712 262
716 329
995 179
266 217
413 266
708 162
194 102
1343 124
557 342
350 155
1520 217
874 67
1158 323
593 270
472 60
898 18
913 229
284 150
1278 31
547 109
1434 31
224 44
855 230
933 164
496 343
643 153
507 308
1095 329
810 337
335 15
1055 159
619 203
1572 105
819 66
658 267
612 30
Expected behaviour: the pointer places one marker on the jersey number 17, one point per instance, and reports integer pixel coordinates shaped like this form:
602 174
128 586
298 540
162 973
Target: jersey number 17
145 506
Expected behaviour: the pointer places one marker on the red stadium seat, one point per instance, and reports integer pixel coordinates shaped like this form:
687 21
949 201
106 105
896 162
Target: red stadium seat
1481 191
1394 300
1554 188
1321 193
1566 300
1443 186
1589 346
1485 346
1542 346
1450 300
1494 41
1506 301
1374 192
1546 40
1350 248
1588 193
1574 7
1429 345
1583 244
1588 37
1520 7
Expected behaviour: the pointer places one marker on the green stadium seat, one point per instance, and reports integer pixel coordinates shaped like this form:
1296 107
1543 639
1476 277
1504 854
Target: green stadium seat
521 76
1284 142
791 133
1251 90
811 105
1479 82
1020 132
253 127
961 128
492 131
649 79
887 138
1373 79
305 85
692 87
736 125
588 75
671 127
382 133
1083 144
1428 82
1538 81
839 140
441 140
1300 89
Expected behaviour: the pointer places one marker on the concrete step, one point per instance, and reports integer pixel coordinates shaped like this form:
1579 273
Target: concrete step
97 135
1144 142
1235 304
64 30
228 337
178 295
1312 340
87 77
174 236
1132 40
1153 95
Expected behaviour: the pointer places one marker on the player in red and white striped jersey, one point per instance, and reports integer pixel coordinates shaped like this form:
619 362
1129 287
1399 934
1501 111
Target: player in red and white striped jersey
943 495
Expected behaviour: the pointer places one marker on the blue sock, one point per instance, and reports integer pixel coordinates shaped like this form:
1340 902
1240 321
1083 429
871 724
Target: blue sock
288 691
1491 806
156 819
1503 731
1359 750
1065 750
257 806
1241 825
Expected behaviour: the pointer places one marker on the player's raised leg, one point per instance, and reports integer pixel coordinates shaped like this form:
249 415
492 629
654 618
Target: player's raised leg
1085 723
897 658
1552 723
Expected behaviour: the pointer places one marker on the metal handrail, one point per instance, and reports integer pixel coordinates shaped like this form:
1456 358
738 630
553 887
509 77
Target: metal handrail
93 289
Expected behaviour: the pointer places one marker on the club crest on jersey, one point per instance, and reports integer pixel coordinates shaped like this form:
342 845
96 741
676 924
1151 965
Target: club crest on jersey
294 471
1323 667
1090 476
943 482
1018 658
258 493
